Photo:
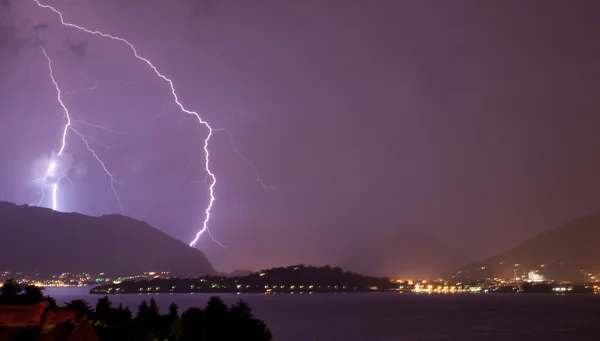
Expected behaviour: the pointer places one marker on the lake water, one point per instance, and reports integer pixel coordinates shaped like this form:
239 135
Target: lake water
398 316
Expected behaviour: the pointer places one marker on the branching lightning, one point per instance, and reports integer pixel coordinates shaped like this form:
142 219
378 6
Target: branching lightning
179 104
250 164
209 173
52 170
108 130
96 85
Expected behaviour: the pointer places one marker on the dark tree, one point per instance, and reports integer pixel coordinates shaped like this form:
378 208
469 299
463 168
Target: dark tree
217 315
31 296
216 322
127 313
173 312
143 311
51 300
82 308
150 324
244 324
216 307
104 311
242 310
153 309
192 325
9 291
103 306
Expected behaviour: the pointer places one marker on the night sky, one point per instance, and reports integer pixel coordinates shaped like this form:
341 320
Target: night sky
474 122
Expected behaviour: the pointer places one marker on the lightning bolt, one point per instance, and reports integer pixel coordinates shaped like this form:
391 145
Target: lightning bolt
42 196
53 165
208 170
96 85
209 173
97 126
250 164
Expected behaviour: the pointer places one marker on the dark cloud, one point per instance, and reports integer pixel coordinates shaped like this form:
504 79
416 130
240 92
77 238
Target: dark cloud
40 27
9 41
5 5
8 32
78 49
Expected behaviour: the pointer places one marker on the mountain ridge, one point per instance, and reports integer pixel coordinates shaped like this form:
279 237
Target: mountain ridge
561 253
55 242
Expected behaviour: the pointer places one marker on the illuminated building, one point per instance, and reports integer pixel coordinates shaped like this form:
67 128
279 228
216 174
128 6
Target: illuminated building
535 277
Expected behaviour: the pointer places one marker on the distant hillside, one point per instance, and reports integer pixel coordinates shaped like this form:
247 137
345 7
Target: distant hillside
568 252
410 254
239 273
292 279
55 242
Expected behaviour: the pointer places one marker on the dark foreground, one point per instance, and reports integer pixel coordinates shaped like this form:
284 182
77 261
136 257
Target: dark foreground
394 316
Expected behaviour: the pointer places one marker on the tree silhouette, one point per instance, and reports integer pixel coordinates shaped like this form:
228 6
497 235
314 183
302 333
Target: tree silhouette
9 291
215 307
51 300
153 309
82 308
104 309
31 296
246 324
124 314
192 325
216 314
242 310
170 323
216 322
145 320
173 312
143 311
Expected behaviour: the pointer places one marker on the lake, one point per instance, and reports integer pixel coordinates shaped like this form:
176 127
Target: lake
397 316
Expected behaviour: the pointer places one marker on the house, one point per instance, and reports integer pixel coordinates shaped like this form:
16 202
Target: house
42 322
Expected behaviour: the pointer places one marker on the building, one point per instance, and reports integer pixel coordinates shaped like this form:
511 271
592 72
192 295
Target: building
44 323
535 277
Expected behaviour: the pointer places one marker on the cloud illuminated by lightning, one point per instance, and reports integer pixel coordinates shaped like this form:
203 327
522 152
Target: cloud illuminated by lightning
179 104
209 173
52 170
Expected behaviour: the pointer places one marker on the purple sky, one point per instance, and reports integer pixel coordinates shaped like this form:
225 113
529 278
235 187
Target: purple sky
476 122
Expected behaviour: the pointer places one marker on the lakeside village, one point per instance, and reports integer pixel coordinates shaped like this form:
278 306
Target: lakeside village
299 280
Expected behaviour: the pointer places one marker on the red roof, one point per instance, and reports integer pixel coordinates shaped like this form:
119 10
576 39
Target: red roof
60 315
22 315
13 319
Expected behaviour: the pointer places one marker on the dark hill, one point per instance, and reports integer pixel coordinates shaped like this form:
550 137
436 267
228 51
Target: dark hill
239 273
54 242
568 252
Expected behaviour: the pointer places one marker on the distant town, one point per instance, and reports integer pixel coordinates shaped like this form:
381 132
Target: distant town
302 279
75 279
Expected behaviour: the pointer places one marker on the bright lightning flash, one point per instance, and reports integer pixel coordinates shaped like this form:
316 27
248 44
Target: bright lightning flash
213 182
209 173
53 166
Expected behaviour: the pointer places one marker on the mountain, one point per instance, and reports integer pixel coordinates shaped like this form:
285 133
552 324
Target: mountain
54 242
239 273
410 254
568 252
